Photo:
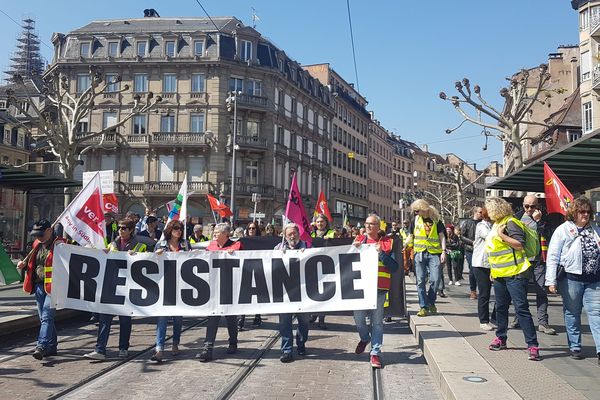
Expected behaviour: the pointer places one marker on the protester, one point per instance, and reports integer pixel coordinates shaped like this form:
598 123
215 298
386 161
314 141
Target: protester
385 266
467 237
220 242
238 233
429 242
38 281
510 270
252 230
291 235
125 242
481 270
197 236
173 242
151 230
455 251
575 248
322 231
407 251
112 228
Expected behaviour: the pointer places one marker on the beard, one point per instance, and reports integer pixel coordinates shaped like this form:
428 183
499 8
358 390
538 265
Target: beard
293 243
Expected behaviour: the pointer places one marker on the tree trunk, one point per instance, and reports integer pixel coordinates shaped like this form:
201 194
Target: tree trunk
518 151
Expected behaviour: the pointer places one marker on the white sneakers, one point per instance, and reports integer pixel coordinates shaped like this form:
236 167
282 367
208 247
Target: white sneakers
457 283
94 355
123 353
450 283
487 327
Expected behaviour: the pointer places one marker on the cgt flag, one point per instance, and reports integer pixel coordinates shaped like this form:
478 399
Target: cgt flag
222 209
322 207
296 213
558 197
83 219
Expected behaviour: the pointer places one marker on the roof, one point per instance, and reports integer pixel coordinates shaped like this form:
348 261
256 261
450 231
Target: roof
160 25
22 179
576 165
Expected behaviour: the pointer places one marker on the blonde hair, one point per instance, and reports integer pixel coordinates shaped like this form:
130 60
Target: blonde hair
498 208
423 205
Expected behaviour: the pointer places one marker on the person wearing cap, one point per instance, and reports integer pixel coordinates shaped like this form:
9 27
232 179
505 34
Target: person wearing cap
38 281
152 230
112 228
454 249
198 235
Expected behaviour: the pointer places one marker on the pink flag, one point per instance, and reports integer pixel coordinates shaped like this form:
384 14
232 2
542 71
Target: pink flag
295 212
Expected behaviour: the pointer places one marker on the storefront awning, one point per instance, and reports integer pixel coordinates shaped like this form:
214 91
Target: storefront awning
22 179
577 165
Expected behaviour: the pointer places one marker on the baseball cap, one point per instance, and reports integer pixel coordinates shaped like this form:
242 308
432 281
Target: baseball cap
40 227
151 219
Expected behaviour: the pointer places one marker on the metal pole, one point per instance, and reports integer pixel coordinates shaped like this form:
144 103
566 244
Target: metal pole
233 146
255 204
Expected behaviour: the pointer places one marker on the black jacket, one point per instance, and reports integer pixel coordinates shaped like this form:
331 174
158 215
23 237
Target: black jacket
467 234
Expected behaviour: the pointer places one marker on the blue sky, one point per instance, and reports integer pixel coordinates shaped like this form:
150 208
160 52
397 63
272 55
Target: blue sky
406 51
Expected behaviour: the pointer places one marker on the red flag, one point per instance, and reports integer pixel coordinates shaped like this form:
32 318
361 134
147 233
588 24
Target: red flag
215 205
322 207
558 196
111 203
296 213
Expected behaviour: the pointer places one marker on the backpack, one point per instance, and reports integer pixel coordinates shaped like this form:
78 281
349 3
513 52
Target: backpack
532 240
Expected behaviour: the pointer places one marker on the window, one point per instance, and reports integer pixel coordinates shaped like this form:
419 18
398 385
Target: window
197 122
198 82
136 169
199 48
108 162
594 17
140 83
166 167
587 117
573 135
109 118
169 83
251 176
83 82
252 128
236 84
83 127
246 50
170 48
113 49
254 87
586 66
139 124
167 123
112 85
280 135
196 168
84 49
141 48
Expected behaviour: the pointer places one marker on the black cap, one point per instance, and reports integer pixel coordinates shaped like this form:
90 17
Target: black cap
151 219
40 227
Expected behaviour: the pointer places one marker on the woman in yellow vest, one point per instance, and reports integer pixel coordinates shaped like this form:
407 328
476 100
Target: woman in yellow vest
510 272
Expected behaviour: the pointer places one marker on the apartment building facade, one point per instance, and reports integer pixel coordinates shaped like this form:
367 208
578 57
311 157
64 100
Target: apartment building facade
381 166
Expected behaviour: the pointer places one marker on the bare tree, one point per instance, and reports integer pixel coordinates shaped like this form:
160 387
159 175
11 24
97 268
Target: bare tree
505 125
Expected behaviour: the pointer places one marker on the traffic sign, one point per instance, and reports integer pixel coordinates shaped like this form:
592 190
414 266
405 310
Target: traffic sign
257 215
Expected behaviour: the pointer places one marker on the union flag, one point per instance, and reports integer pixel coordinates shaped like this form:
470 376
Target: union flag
322 207
223 210
558 197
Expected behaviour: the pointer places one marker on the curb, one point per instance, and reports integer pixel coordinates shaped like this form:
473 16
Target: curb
33 321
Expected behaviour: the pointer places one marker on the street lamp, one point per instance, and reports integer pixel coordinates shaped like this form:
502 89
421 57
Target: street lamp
231 102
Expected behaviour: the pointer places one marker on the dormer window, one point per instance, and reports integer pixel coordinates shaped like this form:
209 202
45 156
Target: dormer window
113 49
170 48
84 49
141 48
199 48
246 50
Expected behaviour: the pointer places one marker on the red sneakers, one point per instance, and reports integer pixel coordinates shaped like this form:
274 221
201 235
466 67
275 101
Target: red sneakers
375 362
360 347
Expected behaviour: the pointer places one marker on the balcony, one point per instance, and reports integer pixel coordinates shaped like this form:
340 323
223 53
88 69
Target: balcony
280 149
109 138
180 139
595 24
246 189
162 188
137 140
251 143
253 102
596 77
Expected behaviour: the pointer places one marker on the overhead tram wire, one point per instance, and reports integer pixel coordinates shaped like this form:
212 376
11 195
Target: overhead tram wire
211 20
353 49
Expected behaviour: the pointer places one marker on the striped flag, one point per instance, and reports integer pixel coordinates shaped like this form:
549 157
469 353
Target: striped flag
179 210
8 271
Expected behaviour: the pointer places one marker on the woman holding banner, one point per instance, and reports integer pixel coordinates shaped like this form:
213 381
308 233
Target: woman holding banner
220 242
173 242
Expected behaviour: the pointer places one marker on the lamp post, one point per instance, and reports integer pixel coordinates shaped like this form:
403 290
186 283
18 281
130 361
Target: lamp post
231 102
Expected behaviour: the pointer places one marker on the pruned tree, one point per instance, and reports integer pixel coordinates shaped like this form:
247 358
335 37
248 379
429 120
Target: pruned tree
55 113
506 125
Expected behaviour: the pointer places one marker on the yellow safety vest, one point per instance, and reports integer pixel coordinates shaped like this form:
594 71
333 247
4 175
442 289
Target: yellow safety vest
504 260
329 234
422 242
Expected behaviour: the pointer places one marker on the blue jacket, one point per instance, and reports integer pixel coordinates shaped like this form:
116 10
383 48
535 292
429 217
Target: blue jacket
565 250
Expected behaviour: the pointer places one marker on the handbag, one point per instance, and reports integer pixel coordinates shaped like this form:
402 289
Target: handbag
560 273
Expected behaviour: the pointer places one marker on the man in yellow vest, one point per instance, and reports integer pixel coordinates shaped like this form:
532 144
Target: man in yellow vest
429 244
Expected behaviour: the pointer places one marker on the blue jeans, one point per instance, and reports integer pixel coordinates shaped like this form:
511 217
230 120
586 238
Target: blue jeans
427 264
516 289
104 323
577 295
47 337
472 280
375 336
285 330
161 331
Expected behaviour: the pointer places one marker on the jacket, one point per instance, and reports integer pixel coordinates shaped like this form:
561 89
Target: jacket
423 242
479 256
565 250
28 282
467 234
386 263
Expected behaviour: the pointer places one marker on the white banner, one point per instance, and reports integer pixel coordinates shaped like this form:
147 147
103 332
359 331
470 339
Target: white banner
200 283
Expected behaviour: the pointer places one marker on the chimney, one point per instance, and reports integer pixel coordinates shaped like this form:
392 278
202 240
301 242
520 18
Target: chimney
426 148
574 74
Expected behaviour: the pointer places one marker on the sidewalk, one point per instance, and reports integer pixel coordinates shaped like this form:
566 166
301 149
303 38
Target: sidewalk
455 348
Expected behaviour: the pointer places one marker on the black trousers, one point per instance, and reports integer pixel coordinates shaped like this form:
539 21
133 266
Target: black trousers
482 276
212 326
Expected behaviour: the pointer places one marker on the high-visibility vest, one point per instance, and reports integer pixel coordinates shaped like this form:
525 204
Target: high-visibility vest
28 283
503 259
139 247
329 234
423 242
544 246
383 274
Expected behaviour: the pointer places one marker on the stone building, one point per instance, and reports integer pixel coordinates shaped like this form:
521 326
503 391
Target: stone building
381 167
283 114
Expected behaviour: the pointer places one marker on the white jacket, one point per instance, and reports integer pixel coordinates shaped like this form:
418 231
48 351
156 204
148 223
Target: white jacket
479 257
565 250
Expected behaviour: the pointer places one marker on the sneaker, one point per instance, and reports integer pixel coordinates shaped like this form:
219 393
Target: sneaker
360 347
486 327
158 356
375 362
450 283
232 349
432 309
422 312
205 355
175 350
473 295
534 353
123 353
257 321
38 353
302 350
286 358
497 344
94 355
576 354
457 283
442 294
547 329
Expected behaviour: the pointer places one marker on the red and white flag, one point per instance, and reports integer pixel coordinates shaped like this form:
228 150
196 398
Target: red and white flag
322 207
221 208
558 197
111 203
295 212
83 219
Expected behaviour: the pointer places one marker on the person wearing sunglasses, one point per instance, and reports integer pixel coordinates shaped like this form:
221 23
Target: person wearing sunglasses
575 249
126 241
